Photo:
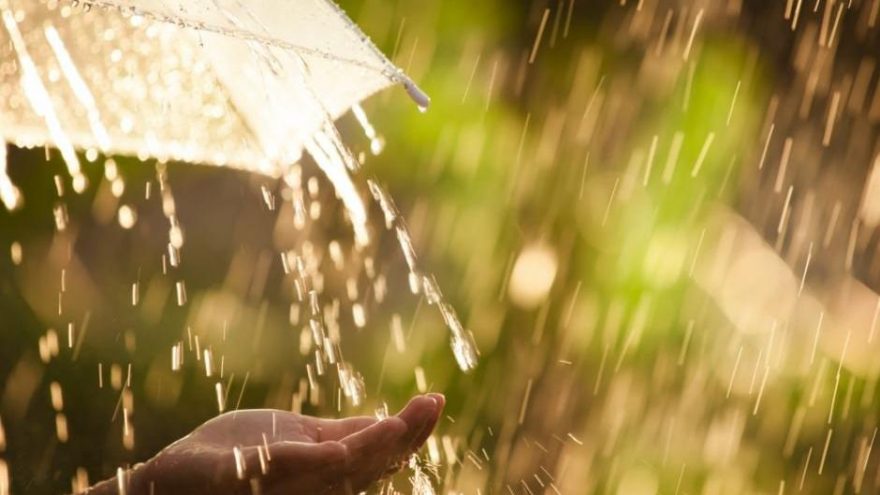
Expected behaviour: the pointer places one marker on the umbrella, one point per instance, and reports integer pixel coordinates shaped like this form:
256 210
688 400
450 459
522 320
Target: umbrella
246 84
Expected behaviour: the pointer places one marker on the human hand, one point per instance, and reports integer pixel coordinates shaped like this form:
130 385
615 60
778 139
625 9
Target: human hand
272 452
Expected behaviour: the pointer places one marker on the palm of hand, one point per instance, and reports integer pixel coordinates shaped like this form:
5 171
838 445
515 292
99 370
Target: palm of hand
273 452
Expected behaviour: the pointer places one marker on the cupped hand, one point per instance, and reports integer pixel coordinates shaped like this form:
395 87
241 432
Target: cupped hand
277 452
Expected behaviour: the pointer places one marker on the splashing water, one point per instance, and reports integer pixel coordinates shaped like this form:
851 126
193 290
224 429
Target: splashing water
462 343
421 482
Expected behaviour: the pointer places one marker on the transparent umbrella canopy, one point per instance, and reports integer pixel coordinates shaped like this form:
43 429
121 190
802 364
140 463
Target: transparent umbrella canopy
249 84
245 84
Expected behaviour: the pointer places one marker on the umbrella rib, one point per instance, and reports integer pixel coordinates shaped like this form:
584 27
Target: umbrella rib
392 72
252 132
392 75
395 74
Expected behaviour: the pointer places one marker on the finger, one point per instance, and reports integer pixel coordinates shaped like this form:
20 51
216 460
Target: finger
377 438
420 415
337 429
440 400
379 449
373 450
419 409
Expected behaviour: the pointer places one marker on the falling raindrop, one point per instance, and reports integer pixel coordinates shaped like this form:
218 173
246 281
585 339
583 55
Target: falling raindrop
127 217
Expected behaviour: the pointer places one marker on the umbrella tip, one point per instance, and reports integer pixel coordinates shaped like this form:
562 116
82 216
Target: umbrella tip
420 97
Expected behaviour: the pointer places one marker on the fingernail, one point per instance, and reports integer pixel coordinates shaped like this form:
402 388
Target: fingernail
439 399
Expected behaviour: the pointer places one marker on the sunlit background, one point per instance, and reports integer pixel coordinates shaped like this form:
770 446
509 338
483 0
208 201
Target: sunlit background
656 219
